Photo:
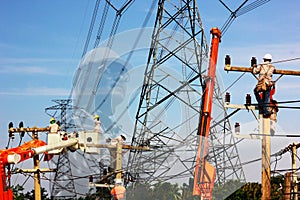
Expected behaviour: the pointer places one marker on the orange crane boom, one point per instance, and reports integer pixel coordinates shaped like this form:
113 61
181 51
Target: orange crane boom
205 173
22 153
13 156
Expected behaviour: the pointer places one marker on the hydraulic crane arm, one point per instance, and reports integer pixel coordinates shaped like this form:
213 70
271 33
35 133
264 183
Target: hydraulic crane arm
204 172
22 153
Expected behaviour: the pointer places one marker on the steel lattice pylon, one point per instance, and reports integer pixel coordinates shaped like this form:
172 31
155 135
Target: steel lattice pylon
170 103
63 187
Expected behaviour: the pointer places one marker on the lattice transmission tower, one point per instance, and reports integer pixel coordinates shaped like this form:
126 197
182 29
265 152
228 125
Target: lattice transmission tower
63 182
170 103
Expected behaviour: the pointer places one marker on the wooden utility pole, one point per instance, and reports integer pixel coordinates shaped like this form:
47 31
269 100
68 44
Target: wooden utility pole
119 162
265 159
264 134
266 143
37 181
287 186
119 147
294 172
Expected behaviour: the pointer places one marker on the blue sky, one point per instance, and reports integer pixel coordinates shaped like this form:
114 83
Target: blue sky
41 43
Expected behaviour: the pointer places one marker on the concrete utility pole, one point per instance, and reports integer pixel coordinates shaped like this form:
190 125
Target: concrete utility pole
266 142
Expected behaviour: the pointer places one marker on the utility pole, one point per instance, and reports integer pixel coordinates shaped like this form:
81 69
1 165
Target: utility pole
37 181
265 160
119 147
266 142
291 179
36 162
287 186
294 172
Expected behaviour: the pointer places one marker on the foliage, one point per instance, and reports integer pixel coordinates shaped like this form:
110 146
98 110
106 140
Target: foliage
221 191
253 190
168 191
161 191
18 193
100 194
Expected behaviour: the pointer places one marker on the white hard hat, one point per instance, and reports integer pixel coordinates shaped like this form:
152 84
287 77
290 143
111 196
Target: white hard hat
267 56
123 136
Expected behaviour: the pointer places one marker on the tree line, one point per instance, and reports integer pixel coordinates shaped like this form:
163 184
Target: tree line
168 191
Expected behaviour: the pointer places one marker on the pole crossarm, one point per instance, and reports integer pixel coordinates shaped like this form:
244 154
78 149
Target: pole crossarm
249 69
34 170
243 107
145 148
32 129
101 185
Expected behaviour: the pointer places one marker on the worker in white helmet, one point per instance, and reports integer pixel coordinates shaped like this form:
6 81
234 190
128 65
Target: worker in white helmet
263 87
118 191
113 153
54 127
97 124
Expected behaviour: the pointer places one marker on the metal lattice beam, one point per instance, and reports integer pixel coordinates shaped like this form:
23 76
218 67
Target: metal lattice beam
170 103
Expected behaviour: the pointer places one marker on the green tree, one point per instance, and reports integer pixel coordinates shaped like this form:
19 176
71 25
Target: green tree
253 190
166 191
139 191
187 190
18 193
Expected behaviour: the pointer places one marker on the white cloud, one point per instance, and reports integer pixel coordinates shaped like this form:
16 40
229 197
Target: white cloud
29 70
34 65
41 91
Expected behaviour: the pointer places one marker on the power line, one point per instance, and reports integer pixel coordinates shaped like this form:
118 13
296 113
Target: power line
92 24
242 9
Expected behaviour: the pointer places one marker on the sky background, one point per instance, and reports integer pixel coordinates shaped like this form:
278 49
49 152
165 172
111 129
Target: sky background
41 43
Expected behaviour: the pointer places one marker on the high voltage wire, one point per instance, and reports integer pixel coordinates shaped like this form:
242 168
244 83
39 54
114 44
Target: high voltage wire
92 24
242 9
287 60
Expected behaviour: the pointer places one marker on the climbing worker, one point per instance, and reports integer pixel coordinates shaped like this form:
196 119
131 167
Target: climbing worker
54 127
118 191
120 139
113 152
264 84
97 124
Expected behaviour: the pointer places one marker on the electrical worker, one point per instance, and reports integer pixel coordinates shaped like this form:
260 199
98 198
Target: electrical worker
113 152
54 127
118 191
97 124
264 84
